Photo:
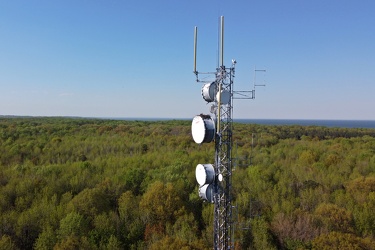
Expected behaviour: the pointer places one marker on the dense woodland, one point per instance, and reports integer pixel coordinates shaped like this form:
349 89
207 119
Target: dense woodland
104 184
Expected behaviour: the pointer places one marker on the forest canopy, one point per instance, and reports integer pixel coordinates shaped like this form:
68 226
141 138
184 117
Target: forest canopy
109 184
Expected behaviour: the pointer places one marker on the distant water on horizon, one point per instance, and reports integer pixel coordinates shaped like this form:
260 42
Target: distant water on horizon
301 122
308 122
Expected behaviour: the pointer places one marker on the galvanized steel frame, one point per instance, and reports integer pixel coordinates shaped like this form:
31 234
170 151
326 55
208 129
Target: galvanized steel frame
223 222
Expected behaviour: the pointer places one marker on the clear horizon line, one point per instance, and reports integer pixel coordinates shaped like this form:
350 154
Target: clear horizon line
181 118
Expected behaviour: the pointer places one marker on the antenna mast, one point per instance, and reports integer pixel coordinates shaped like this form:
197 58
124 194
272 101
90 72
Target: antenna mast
215 181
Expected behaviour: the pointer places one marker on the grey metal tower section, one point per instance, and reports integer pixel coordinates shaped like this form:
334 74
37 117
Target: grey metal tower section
215 181
223 155
223 223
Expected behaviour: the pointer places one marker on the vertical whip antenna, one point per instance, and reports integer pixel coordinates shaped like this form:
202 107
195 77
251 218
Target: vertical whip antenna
222 41
195 49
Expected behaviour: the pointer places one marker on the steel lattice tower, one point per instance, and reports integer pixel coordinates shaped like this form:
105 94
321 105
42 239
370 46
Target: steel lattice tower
223 164
215 181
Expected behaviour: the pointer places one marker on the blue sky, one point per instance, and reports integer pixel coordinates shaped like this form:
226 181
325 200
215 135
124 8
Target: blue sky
135 58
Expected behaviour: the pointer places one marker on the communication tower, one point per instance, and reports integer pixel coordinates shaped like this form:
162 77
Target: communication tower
215 180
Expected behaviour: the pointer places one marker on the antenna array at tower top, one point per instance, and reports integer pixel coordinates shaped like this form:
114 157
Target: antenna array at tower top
215 180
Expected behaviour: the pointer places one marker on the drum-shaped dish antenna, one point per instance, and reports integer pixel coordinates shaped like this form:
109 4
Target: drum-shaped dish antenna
203 129
205 174
206 193
209 91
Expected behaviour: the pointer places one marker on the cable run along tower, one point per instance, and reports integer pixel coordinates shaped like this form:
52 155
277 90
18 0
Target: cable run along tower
215 180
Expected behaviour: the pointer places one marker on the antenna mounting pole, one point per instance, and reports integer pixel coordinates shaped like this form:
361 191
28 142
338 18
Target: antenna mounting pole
195 49
222 41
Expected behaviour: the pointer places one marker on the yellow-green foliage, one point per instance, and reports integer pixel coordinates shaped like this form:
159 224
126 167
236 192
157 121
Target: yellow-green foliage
104 184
